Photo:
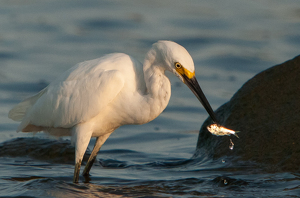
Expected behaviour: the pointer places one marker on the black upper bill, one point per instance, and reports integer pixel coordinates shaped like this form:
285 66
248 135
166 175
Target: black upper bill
194 86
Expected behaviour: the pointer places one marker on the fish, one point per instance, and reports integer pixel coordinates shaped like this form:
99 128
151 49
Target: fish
219 130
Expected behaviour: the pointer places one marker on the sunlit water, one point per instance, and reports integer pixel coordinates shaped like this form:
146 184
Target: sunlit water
230 42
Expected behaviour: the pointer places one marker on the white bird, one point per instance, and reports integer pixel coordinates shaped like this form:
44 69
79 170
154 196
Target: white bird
95 97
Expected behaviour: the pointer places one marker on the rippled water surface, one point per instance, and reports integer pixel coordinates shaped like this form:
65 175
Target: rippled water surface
230 42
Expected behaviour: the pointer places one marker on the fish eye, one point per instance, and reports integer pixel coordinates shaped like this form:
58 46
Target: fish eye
178 65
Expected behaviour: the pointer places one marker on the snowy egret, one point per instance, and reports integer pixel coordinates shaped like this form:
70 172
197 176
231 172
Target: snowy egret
95 97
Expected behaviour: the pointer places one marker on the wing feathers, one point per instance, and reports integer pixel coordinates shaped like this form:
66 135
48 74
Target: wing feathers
77 95
18 112
68 103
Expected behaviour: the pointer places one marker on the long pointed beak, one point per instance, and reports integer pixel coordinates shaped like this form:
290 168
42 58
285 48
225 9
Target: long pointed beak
194 86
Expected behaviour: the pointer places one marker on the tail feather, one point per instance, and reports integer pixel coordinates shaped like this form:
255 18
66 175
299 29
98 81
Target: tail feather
18 112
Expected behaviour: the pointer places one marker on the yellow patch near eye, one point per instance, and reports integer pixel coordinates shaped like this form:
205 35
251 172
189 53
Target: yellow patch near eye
180 70
183 71
188 73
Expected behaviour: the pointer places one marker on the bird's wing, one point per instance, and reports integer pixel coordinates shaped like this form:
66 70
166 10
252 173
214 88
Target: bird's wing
69 102
18 112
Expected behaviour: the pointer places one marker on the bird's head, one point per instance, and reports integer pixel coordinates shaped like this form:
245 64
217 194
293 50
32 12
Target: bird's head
176 59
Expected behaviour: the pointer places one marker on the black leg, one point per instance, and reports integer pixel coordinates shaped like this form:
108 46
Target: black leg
99 142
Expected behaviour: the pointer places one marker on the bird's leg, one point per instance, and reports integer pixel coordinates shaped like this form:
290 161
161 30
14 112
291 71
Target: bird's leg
99 142
76 171
81 135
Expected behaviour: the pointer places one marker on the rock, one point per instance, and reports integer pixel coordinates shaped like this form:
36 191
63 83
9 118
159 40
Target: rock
57 151
267 112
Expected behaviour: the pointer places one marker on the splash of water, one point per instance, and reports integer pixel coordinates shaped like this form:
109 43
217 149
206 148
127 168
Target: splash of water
225 182
231 145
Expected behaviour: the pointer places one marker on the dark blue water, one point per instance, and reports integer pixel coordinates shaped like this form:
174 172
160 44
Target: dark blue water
230 42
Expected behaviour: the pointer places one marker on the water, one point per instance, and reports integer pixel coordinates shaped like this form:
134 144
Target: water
231 145
230 42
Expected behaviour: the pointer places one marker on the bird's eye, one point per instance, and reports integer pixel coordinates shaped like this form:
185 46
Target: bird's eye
178 65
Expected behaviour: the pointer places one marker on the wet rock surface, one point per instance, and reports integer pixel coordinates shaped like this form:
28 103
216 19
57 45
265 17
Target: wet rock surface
266 110
55 151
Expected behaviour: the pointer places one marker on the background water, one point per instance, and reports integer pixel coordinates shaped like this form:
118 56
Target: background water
230 42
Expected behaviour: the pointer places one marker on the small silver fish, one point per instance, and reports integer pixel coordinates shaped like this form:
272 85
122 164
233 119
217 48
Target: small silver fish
218 130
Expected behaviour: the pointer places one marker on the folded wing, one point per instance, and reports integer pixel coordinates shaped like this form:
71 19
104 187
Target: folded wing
69 101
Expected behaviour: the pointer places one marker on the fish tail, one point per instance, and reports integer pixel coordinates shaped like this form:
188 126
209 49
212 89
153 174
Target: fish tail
235 134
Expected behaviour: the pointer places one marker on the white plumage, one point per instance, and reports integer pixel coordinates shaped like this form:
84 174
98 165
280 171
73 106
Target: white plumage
95 97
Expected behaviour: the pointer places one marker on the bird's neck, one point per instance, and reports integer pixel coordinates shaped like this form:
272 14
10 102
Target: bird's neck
158 88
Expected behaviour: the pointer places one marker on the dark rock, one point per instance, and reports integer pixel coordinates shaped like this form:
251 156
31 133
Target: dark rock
267 112
57 151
